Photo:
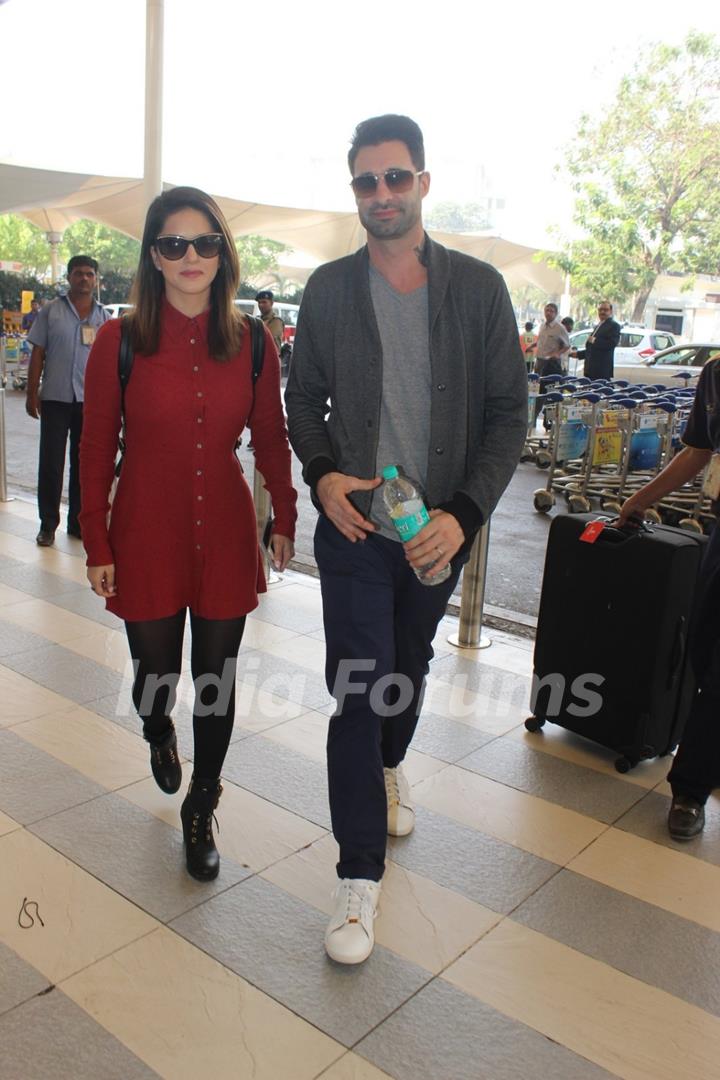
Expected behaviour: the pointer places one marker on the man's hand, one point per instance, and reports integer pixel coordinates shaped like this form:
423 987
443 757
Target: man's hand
332 490
632 511
102 580
32 404
441 538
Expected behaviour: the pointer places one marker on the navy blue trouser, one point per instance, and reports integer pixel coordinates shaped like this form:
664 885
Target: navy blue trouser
379 625
696 768
58 419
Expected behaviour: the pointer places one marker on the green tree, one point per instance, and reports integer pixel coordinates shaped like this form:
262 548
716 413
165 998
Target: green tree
115 286
529 301
458 217
22 242
12 285
117 254
112 249
646 177
257 255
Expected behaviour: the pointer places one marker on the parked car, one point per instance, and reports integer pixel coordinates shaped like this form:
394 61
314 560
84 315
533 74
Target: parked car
638 343
578 340
116 310
667 367
289 315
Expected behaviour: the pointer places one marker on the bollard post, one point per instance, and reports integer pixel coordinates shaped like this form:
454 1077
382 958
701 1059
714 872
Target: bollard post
469 635
3 461
263 507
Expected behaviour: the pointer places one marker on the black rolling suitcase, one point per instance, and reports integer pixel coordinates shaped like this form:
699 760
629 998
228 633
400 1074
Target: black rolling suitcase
611 659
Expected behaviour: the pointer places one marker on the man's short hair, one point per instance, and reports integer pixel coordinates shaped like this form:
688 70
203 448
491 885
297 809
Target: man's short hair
605 303
553 305
265 294
529 325
82 260
388 128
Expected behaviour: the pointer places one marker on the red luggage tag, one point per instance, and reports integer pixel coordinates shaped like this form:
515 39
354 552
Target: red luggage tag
591 531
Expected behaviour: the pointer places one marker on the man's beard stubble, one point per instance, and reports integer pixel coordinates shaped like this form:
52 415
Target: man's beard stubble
406 220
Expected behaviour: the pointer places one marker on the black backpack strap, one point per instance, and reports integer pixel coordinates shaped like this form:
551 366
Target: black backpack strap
257 340
126 357
257 347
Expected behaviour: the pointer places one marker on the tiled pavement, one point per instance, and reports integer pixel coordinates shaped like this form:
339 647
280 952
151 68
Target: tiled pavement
538 923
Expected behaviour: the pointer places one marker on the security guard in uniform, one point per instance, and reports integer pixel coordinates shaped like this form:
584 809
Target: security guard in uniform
273 322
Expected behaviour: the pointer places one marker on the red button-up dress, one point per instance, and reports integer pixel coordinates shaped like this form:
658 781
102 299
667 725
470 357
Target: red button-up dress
182 529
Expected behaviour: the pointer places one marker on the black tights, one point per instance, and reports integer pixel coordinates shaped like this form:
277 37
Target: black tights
156 648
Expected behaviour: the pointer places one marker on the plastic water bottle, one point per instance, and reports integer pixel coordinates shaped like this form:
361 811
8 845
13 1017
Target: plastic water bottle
408 514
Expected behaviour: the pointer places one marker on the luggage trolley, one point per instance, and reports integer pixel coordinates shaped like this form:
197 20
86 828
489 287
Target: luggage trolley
533 441
548 384
646 448
572 418
604 454
688 507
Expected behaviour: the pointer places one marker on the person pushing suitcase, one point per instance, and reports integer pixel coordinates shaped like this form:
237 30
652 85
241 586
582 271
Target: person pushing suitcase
696 767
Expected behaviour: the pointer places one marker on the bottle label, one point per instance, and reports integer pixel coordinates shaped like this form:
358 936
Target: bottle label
409 525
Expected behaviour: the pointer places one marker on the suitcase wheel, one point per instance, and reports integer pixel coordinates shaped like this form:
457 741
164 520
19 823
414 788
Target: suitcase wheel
623 764
534 723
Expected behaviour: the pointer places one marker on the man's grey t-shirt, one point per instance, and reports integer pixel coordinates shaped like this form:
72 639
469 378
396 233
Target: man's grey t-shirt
404 439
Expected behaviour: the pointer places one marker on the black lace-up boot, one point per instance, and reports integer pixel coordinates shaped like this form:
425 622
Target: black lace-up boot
164 760
197 813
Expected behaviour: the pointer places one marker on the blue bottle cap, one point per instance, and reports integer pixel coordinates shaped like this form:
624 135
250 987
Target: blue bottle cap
390 472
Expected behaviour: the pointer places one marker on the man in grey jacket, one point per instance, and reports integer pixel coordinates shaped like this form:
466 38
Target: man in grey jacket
406 353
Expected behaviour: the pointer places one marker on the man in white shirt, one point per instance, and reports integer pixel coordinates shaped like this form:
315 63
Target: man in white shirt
553 344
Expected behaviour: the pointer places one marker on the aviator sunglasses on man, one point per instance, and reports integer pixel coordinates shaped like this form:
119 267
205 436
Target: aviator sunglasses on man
397 181
175 247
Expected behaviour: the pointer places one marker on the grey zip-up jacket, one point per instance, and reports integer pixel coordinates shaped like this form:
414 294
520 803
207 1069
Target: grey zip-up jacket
479 408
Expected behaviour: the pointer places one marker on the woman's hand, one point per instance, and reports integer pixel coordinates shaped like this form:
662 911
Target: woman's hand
281 550
102 580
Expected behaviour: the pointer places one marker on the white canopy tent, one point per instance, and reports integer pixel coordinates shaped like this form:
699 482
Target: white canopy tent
54 200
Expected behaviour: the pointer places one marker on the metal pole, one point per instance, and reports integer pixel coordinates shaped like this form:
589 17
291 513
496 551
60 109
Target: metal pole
3 461
565 298
54 239
469 635
154 25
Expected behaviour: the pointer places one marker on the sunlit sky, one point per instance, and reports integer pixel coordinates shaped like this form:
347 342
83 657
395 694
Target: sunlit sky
261 99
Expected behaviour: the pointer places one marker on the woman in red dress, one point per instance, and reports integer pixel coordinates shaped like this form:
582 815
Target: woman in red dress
182 532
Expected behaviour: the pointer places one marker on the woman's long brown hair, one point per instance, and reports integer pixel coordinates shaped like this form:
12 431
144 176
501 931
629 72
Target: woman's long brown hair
226 321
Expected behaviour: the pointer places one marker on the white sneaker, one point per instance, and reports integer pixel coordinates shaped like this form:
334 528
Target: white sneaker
401 815
350 935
